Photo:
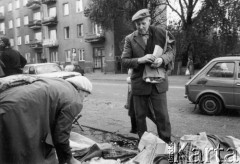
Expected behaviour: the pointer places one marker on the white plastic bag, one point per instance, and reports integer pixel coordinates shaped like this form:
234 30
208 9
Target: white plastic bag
187 72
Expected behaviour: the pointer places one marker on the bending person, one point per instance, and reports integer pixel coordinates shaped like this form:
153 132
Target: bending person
36 121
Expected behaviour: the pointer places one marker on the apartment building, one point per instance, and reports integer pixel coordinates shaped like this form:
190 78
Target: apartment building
57 31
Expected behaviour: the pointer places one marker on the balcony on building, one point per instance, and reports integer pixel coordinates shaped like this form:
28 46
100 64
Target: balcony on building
33 4
2 17
36 44
48 1
35 24
95 38
49 21
50 43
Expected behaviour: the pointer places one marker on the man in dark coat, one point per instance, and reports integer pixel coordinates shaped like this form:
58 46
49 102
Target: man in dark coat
138 49
36 121
12 59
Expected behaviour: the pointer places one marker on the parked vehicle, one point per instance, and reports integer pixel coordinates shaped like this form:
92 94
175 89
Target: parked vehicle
47 70
74 68
216 86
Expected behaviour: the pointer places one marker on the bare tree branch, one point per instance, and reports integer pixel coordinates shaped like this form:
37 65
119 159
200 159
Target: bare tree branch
173 9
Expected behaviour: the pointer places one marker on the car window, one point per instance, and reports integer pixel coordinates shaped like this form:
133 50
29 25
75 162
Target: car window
69 68
25 70
222 70
48 68
239 70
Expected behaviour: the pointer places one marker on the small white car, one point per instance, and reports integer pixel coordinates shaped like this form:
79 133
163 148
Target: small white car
48 70
216 86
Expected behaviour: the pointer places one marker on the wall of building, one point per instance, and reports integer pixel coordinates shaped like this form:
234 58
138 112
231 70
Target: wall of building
74 42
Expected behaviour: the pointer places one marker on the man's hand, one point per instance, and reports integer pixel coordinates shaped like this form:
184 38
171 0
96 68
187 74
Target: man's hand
157 63
149 58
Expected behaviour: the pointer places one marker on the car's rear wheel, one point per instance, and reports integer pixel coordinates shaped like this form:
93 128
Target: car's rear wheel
210 104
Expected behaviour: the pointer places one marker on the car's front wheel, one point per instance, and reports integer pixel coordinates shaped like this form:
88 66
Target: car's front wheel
210 104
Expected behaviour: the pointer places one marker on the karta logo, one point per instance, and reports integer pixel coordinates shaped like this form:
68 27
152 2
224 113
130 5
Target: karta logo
193 155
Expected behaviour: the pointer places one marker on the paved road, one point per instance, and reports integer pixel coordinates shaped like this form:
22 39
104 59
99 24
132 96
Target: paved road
103 109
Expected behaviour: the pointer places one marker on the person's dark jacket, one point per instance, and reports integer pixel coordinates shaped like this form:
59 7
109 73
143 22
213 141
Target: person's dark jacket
13 61
36 120
135 48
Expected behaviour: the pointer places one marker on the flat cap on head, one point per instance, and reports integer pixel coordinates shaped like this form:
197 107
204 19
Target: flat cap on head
143 13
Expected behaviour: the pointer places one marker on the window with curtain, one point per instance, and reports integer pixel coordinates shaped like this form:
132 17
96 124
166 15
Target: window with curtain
10 24
79 6
17 4
2 28
19 40
81 54
25 20
52 12
79 30
26 39
11 42
68 55
66 33
38 36
2 10
53 34
65 9
37 16
10 7
18 22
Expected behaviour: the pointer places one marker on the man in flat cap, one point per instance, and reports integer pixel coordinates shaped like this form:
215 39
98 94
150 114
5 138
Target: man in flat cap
138 52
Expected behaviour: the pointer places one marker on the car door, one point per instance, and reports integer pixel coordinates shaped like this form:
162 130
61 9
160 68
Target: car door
237 87
220 79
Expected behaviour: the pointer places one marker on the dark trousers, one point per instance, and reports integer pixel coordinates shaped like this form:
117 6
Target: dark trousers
159 105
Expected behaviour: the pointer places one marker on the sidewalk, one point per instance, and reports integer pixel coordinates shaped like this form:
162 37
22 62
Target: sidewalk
123 77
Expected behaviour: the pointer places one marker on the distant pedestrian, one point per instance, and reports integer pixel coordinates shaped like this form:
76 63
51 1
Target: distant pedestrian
138 51
190 67
12 59
130 106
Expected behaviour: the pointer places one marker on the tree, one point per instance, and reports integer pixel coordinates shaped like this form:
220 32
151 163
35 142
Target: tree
105 12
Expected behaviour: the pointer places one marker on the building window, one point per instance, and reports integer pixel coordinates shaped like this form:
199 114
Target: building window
18 22
28 57
10 24
38 36
66 33
2 28
2 10
79 6
53 34
10 7
11 42
26 20
19 40
98 57
54 56
26 39
52 12
37 16
80 30
25 2
68 55
96 29
81 54
17 4
66 9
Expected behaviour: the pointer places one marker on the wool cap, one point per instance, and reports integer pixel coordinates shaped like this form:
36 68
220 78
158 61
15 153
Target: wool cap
143 13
